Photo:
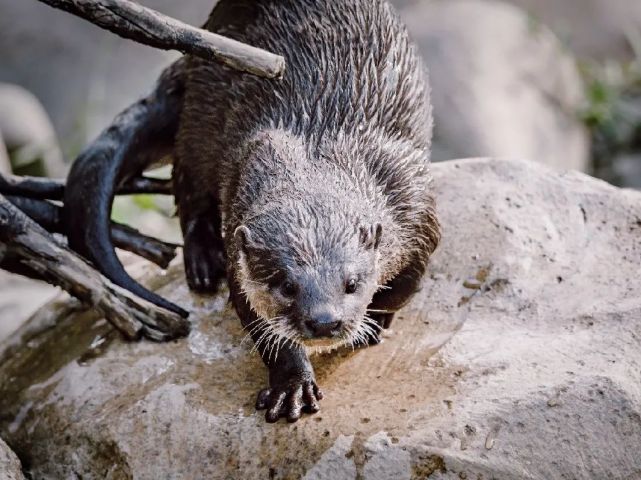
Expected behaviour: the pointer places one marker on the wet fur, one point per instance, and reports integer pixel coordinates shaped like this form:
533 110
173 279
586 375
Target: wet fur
341 141
294 174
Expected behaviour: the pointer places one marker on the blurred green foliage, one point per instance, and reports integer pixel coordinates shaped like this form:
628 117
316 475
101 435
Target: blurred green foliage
612 113
152 214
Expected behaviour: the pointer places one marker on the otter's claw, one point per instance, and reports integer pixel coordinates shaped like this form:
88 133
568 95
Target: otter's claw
289 401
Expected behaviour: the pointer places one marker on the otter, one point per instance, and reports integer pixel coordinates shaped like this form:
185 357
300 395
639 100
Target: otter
310 193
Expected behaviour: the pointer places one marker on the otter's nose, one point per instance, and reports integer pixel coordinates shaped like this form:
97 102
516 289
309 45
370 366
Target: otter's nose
324 325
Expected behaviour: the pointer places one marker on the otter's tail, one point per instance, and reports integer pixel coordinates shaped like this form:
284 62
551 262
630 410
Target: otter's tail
138 138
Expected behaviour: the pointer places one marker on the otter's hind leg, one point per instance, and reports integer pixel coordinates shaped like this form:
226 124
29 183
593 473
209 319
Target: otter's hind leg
394 296
195 182
398 291
204 252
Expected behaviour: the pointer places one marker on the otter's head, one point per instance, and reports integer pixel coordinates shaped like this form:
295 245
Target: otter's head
312 289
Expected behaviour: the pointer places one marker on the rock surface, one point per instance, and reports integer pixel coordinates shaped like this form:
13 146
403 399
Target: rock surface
501 85
10 468
520 358
593 29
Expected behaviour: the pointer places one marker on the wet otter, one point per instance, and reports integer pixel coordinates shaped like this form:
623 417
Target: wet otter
310 193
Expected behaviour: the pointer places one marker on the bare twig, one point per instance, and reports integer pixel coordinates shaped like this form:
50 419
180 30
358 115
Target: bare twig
49 217
156 251
144 25
32 187
54 189
148 185
39 251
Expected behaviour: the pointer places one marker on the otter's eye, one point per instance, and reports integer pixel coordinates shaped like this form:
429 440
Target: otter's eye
288 289
351 285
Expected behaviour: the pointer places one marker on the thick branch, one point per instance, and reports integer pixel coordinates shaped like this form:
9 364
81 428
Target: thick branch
54 189
32 187
49 217
40 252
154 250
151 186
144 25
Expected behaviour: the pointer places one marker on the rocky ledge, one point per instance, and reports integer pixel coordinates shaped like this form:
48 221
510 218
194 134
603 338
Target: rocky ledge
520 358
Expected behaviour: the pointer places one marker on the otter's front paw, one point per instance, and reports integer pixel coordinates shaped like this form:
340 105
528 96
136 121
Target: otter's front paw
289 401
204 257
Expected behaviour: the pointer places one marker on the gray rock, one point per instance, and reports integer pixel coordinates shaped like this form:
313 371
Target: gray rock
10 468
593 29
502 86
28 132
601 29
520 358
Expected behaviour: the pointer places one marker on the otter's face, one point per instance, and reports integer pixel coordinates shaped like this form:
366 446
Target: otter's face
317 300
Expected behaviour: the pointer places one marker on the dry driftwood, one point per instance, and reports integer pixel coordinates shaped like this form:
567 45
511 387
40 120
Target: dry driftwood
50 217
144 25
23 241
54 189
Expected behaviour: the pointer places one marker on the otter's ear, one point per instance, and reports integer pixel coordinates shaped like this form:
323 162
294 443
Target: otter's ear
243 239
371 236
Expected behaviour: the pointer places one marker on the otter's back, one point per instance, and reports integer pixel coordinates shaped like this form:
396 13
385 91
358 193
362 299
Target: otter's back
350 68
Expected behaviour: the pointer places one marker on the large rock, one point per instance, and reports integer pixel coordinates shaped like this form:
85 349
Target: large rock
601 29
520 358
593 29
10 468
501 85
27 131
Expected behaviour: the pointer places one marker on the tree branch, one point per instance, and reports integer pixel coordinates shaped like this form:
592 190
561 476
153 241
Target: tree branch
147 185
54 189
39 251
49 217
144 25
32 187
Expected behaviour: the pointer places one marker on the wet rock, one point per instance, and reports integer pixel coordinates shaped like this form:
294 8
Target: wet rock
502 85
527 376
10 468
